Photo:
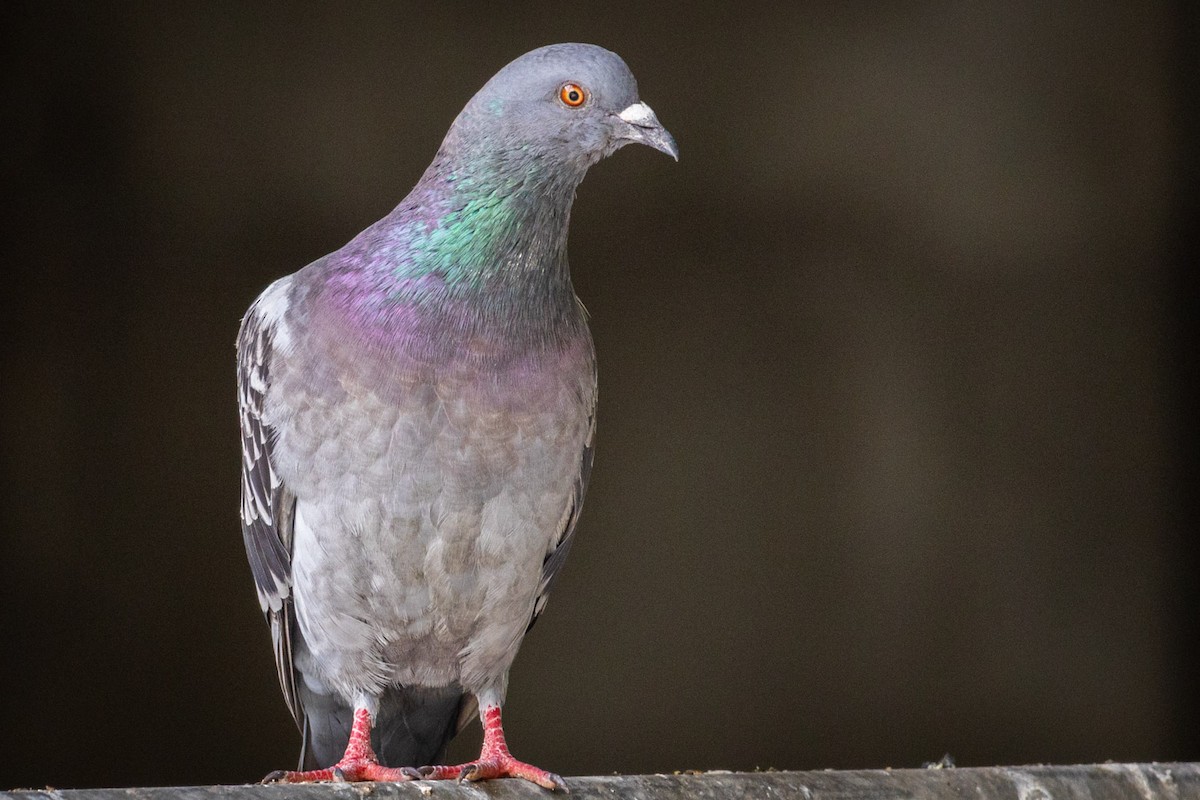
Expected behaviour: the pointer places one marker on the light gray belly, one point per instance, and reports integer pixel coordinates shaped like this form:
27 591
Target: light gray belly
423 519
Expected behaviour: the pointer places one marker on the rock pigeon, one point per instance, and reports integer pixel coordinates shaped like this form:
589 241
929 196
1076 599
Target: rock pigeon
417 414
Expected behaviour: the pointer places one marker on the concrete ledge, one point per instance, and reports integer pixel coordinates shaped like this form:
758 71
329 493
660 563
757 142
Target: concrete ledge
1169 781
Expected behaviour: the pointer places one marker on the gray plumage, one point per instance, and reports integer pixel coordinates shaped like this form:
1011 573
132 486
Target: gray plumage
417 416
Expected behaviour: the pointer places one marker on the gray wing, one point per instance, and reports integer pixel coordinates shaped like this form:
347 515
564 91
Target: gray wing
558 556
267 505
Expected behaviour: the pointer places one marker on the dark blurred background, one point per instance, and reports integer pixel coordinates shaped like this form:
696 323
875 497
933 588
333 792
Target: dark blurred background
896 377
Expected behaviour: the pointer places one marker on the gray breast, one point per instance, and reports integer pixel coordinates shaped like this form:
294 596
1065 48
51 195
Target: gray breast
426 505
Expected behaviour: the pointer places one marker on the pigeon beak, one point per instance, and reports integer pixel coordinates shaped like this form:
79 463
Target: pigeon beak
642 126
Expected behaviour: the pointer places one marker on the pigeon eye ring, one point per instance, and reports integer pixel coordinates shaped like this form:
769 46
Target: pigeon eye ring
572 95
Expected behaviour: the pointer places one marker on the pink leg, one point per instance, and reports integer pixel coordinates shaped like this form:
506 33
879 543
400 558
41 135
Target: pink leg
494 760
358 764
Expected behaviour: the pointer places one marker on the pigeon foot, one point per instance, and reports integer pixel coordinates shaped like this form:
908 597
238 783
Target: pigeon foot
358 764
504 766
495 761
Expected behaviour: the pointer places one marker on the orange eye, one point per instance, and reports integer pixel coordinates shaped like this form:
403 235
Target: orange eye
572 94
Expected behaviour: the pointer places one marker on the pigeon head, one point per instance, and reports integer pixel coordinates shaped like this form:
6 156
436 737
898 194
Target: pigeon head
489 216
566 106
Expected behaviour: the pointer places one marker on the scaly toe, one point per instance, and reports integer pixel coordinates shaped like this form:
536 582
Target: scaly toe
442 773
372 771
345 771
511 768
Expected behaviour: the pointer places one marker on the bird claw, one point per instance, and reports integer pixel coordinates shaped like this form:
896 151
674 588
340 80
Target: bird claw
471 772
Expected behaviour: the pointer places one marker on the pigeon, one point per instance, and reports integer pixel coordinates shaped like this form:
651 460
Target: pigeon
417 416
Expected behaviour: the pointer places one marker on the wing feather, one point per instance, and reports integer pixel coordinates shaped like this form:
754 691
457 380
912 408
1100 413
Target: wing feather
267 505
557 556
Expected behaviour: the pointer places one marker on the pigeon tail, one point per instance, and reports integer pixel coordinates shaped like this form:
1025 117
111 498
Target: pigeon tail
412 727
